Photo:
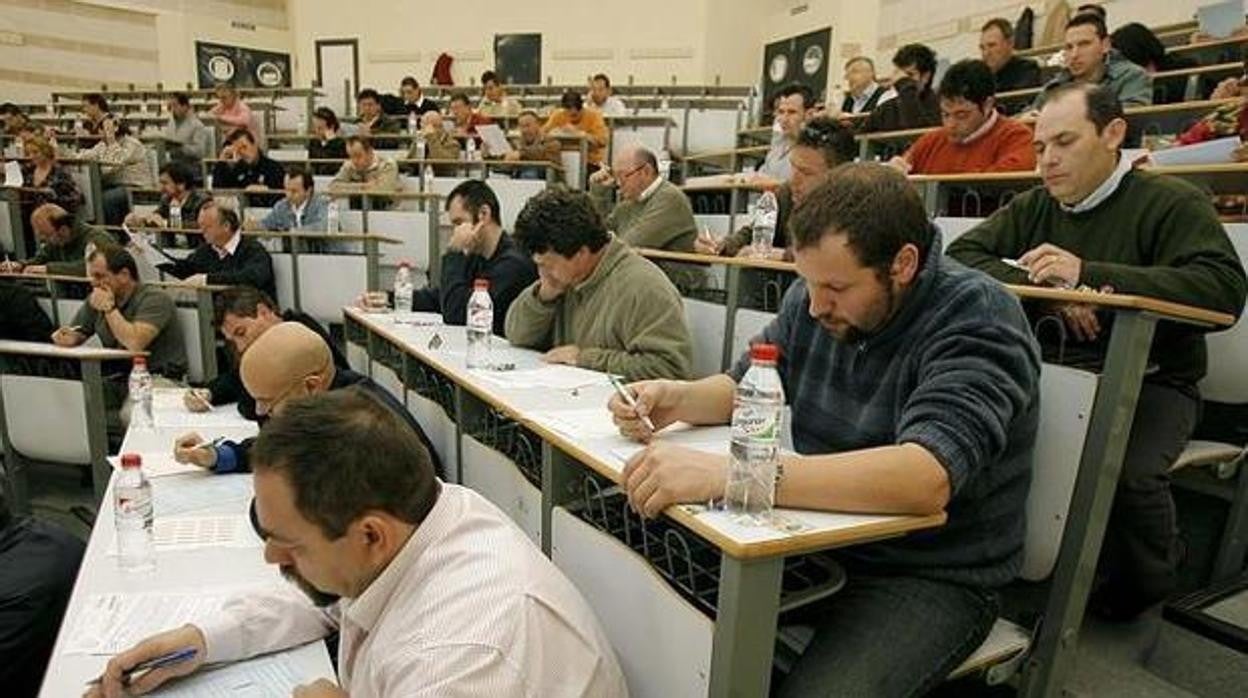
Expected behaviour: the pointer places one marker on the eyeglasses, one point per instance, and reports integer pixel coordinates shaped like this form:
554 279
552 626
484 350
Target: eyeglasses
630 173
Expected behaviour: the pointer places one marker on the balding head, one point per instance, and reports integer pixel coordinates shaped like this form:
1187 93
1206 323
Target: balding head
52 224
287 361
635 169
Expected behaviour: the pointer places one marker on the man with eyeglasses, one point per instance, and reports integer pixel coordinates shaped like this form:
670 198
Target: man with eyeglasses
974 137
286 362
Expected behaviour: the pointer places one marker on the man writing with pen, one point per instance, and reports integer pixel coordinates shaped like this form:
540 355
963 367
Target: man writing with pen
64 243
126 314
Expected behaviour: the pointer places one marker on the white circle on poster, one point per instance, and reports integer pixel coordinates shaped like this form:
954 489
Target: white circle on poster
221 68
779 68
812 61
269 74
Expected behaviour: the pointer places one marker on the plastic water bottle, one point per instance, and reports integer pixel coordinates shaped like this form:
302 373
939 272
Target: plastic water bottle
175 215
422 148
757 416
133 515
765 213
665 164
426 179
413 123
470 149
140 391
403 289
331 217
480 324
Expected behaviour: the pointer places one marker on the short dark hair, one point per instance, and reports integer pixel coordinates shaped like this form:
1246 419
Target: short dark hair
603 77
572 100
182 98
297 170
969 79
1101 103
363 141
117 258
225 215
409 81
123 126
1094 9
796 88
368 93
239 134
240 301
96 99
345 454
461 97
562 221
1002 25
475 194
490 76
529 112
328 116
917 55
180 172
849 203
11 109
1091 20
830 137
860 59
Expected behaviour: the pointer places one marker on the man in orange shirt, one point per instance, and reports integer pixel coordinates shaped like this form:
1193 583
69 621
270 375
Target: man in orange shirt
573 117
973 137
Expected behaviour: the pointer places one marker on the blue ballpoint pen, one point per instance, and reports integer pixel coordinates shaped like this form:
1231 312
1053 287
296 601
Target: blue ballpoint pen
164 660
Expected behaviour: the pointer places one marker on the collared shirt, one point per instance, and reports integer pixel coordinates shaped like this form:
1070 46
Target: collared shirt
776 165
983 129
468 607
230 246
611 106
860 100
1103 192
653 187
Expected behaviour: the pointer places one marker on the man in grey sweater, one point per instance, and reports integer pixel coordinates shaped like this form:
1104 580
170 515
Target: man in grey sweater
914 387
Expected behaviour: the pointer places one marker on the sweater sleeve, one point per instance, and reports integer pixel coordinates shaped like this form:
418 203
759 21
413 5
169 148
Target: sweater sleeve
656 339
455 289
531 321
1004 235
1193 262
1136 89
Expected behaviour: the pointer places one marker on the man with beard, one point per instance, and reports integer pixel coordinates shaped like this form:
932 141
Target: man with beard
440 593
286 361
914 387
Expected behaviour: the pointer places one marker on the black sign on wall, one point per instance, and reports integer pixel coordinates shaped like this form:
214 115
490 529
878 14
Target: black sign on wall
801 59
518 58
241 67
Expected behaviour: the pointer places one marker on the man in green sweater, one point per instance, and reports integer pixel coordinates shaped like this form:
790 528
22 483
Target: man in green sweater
66 243
1099 223
650 211
597 303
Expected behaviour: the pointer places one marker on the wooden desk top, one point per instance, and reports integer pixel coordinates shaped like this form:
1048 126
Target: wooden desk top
82 353
282 234
713 154
698 258
1210 44
64 278
791 544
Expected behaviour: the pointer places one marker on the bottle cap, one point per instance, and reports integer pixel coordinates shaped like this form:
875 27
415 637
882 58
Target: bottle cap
131 460
140 361
764 352
481 285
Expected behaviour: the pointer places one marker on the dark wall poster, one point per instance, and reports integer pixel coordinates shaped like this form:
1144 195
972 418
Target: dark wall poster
518 58
241 67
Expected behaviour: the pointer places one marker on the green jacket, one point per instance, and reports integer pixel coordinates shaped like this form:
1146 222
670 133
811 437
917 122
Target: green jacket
1155 236
661 221
627 319
70 259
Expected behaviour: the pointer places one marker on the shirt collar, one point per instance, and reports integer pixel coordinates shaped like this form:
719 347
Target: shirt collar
1103 192
866 93
230 246
983 129
654 186
366 610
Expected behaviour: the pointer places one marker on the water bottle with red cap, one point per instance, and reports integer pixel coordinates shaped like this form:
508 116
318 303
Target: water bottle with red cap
134 516
757 413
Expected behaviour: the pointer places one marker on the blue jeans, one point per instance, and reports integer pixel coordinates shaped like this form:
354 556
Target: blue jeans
888 636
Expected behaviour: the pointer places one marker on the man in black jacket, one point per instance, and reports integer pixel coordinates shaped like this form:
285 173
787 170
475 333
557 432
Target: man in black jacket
286 362
242 315
245 166
479 248
911 103
225 258
996 48
21 318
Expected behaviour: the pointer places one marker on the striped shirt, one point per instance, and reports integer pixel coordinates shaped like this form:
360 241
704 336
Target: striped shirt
469 607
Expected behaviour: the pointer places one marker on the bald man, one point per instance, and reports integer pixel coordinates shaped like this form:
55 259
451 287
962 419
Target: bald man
650 211
288 361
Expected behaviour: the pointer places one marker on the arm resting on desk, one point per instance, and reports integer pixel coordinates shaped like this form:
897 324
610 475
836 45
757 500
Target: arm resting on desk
265 621
905 479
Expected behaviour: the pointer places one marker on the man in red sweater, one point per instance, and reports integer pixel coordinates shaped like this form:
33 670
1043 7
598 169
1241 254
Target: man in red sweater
973 136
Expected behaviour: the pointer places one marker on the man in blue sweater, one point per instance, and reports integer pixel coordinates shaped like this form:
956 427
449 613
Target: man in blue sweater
914 387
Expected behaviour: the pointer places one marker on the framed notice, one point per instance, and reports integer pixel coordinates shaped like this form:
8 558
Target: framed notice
240 67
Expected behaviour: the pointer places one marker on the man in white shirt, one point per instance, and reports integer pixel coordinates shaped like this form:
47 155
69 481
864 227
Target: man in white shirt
440 594
602 97
794 103
862 92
